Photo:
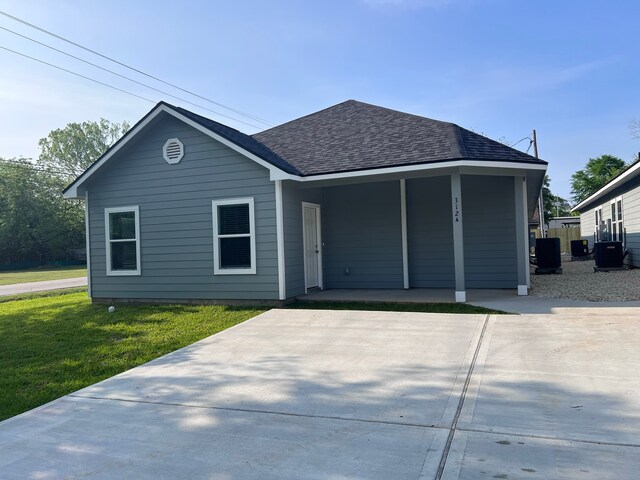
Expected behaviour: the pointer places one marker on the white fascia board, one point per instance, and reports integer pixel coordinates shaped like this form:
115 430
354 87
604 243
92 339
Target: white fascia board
73 191
272 168
409 168
616 182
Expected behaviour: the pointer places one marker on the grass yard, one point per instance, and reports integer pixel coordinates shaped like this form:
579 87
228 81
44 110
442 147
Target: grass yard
40 274
54 345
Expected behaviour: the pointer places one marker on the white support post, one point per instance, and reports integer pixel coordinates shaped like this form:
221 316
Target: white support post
405 247
458 240
522 234
282 285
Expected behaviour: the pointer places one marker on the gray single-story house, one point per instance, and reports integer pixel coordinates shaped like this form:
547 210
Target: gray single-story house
183 208
613 213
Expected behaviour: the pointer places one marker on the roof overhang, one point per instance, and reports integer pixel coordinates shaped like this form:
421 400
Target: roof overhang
75 189
411 168
630 173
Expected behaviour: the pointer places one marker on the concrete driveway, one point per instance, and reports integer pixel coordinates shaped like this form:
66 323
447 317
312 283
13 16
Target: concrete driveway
361 395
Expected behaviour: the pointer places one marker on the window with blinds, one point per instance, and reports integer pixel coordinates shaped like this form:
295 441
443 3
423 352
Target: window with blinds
234 236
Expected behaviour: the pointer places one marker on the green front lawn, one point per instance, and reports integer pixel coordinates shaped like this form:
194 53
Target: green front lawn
54 345
41 274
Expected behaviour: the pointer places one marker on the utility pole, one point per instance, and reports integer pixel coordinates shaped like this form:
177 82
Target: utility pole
543 234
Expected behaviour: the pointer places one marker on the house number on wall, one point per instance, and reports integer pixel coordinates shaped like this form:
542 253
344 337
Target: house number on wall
456 209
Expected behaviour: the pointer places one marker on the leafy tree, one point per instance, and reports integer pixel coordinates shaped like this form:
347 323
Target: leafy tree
596 173
36 223
70 150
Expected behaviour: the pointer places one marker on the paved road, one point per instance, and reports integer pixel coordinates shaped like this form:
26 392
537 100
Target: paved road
17 288
366 395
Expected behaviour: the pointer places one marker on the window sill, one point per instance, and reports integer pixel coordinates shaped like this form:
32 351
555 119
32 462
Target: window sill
123 273
236 271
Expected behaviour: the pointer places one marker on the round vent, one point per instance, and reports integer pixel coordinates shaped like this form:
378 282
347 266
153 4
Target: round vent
173 150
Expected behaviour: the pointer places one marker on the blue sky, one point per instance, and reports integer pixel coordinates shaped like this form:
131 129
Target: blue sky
570 69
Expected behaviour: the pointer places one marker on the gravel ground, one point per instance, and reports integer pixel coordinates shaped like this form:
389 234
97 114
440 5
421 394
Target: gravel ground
579 282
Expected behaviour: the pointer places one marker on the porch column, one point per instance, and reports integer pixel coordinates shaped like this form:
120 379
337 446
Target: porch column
282 283
405 248
522 234
458 241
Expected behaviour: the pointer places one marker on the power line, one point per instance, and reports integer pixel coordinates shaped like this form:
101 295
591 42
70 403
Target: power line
77 74
239 112
35 166
125 77
521 140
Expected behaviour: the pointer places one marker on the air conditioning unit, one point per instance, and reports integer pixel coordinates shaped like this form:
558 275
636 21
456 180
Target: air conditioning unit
579 248
609 254
548 253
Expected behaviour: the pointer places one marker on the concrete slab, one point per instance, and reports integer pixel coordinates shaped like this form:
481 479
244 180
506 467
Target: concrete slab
83 438
381 366
477 455
564 377
509 301
28 287
344 394
505 300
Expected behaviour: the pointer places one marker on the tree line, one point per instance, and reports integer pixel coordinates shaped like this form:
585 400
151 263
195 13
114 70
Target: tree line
36 223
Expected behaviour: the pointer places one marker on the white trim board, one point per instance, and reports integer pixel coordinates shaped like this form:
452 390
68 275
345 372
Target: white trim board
408 168
87 241
217 270
108 241
72 191
282 281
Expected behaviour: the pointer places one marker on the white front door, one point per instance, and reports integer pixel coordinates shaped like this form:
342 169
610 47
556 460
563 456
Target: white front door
312 251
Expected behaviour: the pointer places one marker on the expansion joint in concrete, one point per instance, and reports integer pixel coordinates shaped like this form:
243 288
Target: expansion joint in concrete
456 417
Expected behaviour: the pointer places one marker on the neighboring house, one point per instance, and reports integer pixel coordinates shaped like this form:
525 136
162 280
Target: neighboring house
183 208
564 222
613 213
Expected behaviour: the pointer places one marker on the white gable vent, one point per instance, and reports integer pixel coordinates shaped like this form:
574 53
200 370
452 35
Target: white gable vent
173 150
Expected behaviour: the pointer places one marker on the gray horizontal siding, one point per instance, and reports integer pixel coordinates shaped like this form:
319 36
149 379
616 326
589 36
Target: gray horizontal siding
292 197
176 219
430 233
489 224
630 193
631 218
362 232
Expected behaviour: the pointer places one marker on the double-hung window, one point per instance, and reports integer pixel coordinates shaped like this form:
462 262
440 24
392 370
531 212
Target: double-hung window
617 228
234 237
122 233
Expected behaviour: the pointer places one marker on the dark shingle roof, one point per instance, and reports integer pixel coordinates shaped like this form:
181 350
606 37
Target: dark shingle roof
241 139
354 136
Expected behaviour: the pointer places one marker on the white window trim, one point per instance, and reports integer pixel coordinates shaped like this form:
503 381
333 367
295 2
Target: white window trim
108 241
216 243
599 221
614 220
